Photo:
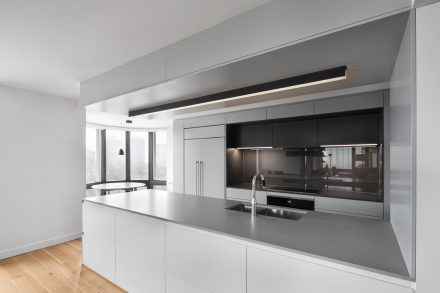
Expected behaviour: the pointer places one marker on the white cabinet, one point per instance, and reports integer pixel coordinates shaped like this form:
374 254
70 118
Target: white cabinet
140 249
204 132
178 285
201 121
98 240
291 110
245 195
271 272
246 116
350 103
213 263
349 207
205 167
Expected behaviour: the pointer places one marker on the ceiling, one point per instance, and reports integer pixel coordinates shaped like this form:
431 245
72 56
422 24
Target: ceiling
49 46
369 51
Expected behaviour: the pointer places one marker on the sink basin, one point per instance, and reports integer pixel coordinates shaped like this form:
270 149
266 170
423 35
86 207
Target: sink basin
269 211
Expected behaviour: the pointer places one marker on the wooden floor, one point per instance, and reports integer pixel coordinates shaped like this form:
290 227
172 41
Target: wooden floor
54 269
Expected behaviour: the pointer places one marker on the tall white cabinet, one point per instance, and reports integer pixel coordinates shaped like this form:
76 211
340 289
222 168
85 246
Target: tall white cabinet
204 161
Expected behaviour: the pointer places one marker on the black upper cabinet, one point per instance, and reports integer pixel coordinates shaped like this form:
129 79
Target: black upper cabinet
249 136
353 129
295 134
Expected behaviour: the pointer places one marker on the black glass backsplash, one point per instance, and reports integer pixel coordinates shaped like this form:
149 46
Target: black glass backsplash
347 172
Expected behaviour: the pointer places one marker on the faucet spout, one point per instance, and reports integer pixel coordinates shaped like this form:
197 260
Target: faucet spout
254 192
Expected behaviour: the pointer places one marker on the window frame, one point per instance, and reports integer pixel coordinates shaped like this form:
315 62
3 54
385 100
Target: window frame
150 182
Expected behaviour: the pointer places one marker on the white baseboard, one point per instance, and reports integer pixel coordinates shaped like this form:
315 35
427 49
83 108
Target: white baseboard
38 245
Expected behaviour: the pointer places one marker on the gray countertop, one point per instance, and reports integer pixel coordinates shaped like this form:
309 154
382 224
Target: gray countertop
360 242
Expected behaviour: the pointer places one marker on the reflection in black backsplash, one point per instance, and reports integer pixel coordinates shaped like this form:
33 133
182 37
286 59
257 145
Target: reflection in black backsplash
351 171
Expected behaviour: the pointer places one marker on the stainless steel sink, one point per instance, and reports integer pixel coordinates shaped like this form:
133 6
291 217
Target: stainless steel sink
269 211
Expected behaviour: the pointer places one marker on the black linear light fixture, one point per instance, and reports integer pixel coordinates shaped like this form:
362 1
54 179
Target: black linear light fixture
305 80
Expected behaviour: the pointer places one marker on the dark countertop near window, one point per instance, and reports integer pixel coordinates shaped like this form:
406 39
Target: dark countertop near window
358 242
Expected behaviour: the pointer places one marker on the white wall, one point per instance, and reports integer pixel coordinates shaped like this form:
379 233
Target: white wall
402 146
428 143
42 170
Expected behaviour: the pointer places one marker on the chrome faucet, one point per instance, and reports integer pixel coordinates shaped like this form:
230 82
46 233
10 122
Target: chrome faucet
254 192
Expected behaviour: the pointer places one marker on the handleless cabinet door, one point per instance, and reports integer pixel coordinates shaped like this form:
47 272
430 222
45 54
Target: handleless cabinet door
354 129
98 240
271 272
140 249
301 133
250 135
213 263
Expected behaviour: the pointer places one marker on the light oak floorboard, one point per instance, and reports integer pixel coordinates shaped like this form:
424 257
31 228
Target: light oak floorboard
53 269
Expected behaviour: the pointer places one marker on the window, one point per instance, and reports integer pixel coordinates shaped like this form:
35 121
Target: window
115 163
160 156
139 155
92 155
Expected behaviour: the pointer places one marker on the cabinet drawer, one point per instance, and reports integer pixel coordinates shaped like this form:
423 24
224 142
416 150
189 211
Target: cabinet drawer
245 195
349 207
204 132
213 263
178 285
271 272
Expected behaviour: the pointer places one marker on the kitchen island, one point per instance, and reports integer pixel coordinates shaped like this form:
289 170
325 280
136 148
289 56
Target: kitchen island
166 242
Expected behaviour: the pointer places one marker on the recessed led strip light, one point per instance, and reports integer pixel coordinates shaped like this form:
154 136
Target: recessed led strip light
301 81
349 145
253 148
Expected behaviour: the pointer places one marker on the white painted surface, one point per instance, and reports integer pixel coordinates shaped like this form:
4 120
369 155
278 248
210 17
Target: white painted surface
245 195
246 116
140 252
350 103
178 156
178 285
204 132
212 263
205 167
402 124
204 121
349 206
270 272
42 170
271 25
50 46
292 110
428 141
98 241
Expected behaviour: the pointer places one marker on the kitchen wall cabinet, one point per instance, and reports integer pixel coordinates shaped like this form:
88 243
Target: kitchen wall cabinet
140 249
291 110
350 103
213 263
204 132
202 121
205 167
354 129
295 134
250 136
272 272
246 116
98 239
